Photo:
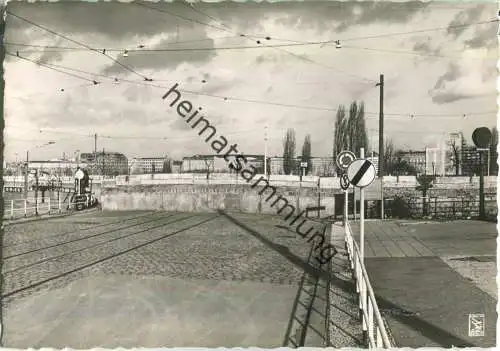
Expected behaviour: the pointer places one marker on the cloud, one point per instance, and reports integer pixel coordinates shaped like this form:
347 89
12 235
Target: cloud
459 23
424 45
379 12
463 79
484 36
158 60
113 20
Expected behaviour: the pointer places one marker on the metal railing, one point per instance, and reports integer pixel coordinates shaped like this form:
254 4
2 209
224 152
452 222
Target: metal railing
373 324
20 208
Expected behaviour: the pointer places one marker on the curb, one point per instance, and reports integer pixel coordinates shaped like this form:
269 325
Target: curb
42 218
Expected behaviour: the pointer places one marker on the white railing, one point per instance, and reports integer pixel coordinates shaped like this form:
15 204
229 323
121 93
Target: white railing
20 208
373 324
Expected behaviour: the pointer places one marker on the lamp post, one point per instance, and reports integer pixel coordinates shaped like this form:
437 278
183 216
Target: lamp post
26 170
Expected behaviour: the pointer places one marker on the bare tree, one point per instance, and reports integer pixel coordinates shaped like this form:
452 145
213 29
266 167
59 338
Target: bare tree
389 156
455 155
289 151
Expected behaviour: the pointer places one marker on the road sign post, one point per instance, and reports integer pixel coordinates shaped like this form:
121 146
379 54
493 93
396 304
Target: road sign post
361 173
362 216
344 185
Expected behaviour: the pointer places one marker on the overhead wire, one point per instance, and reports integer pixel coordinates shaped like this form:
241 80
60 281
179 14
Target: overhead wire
77 43
413 53
244 47
225 97
262 37
74 48
52 68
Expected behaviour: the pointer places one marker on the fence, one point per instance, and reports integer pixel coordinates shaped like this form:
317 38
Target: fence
373 324
19 208
440 208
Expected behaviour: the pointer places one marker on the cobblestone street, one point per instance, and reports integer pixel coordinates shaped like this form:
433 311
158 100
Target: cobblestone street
48 257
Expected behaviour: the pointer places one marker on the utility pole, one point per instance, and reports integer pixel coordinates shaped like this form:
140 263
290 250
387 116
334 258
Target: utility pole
103 153
95 153
26 170
265 151
381 145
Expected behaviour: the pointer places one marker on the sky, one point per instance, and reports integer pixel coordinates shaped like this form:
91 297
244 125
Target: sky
439 66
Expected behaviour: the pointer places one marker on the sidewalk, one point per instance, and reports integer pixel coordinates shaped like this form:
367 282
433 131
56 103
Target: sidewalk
427 303
344 324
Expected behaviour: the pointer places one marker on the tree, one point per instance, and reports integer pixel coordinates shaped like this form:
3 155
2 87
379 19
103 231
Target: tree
289 151
402 167
456 152
425 182
350 131
306 153
389 156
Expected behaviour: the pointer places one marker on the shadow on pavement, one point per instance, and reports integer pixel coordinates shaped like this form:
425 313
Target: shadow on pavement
428 330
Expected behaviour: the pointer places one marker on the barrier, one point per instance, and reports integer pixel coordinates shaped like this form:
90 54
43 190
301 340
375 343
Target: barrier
373 324
20 208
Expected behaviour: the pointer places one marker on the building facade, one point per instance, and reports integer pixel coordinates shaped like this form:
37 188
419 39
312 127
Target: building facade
416 159
217 163
147 165
106 163
320 166
52 167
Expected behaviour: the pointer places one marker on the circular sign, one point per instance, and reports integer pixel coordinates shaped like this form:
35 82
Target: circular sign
344 159
361 173
79 174
481 137
344 182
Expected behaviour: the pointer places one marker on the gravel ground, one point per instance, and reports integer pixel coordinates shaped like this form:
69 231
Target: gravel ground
105 243
483 274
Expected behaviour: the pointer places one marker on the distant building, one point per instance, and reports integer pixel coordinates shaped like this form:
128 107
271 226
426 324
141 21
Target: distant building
416 159
374 160
320 166
470 160
56 167
149 165
106 163
217 163
276 165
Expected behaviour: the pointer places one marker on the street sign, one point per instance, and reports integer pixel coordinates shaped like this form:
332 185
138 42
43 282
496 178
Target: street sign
303 164
481 137
361 173
344 182
79 174
344 159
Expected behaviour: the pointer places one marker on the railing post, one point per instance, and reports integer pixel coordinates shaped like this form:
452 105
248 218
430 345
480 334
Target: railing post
59 204
379 337
25 208
11 209
370 321
48 203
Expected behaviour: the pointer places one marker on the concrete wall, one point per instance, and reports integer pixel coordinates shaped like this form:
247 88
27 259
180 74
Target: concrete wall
202 198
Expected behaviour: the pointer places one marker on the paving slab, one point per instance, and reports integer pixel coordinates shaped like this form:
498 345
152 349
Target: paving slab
427 303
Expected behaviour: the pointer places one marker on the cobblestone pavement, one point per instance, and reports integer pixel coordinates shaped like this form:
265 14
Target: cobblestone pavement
45 255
